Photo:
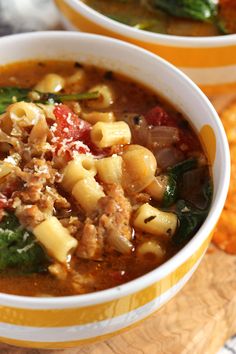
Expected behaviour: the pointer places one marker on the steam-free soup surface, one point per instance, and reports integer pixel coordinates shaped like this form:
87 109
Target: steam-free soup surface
180 18
148 179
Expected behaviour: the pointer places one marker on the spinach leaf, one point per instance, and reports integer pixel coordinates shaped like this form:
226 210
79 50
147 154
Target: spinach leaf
190 217
19 249
177 170
202 10
174 174
52 98
190 220
170 194
9 95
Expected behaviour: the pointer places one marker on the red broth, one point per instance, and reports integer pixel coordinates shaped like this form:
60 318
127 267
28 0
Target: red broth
159 174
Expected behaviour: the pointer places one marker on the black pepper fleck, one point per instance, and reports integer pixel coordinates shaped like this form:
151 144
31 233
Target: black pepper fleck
150 218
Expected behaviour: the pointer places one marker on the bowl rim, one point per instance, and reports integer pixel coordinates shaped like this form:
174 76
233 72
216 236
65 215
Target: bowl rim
190 248
150 37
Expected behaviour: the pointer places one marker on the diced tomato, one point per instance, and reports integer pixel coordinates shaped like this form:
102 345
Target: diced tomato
70 132
158 116
8 188
3 201
69 125
67 150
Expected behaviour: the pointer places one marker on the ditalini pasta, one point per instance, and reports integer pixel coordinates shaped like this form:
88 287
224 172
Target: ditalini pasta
154 221
87 193
153 248
50 83
78 169
78 79
5 169
157 187
25 114
56 239
106 97
105 134
101 181
140 167
110 169
39 132
95 117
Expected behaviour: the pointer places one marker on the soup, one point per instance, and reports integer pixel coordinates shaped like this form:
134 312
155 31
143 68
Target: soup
180 18
101 180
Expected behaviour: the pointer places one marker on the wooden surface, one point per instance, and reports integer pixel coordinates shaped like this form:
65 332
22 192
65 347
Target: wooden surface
197 321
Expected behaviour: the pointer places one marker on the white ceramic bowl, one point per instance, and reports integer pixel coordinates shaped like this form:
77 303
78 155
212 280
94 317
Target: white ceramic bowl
209 61
69 321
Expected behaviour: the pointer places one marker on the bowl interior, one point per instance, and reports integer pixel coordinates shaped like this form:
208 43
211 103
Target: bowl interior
135 63
156 74
147 36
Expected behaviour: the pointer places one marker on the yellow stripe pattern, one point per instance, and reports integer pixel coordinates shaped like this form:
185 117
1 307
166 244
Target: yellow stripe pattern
179 56
99 312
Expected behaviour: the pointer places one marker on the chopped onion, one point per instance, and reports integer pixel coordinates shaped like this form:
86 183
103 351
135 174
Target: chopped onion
4 138
119 242
168 157
164 136
139 128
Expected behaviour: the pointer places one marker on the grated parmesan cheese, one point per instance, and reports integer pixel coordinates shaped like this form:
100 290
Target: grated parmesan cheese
26 248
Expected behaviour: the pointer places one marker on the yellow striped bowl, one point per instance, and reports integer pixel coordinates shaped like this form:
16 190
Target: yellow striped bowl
209 61
69 321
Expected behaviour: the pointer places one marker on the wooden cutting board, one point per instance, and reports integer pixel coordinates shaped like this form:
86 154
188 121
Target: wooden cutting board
197 321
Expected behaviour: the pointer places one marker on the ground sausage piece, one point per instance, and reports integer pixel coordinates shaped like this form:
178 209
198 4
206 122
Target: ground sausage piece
29 215
110 228
91 242
117 209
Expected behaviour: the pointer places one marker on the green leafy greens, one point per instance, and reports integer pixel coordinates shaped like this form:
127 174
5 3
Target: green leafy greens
9 95
189 215
190 220
19 249
174 173
202 10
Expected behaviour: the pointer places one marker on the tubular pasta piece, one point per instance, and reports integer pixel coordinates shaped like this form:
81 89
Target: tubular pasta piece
139 168
95 117
154 221
151 247
76 170
25 114
39 132
108 134
50 83
78 79
157 187
56 239
47 110
110 169
105 100
5 168
6 123
87 192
